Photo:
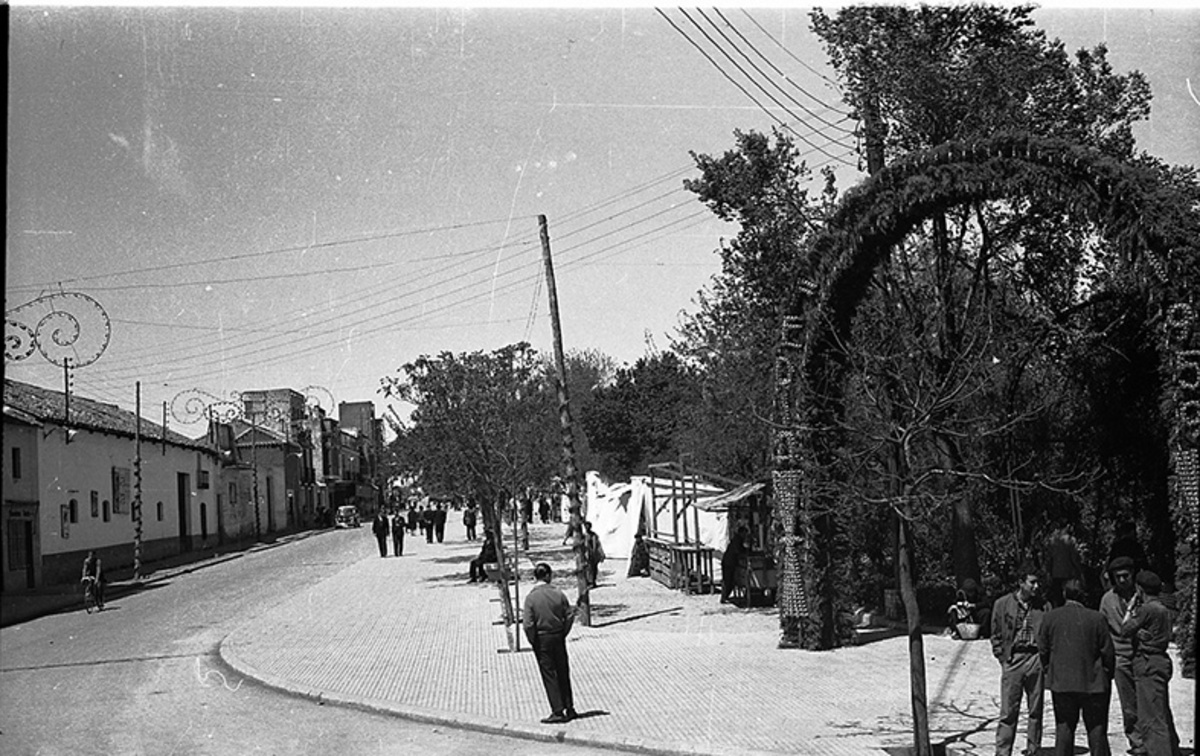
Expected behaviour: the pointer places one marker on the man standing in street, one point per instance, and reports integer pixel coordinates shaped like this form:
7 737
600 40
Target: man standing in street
1150 624
1115 607
1077 654
547 620
469 521
439 522
398 528
1016 620
380 528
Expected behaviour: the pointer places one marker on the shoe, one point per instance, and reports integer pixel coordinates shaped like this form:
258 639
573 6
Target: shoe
556 719
571 714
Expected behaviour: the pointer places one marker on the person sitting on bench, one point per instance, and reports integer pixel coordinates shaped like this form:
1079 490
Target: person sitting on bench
487 555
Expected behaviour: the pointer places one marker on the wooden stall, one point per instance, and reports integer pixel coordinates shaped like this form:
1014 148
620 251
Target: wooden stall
679 557
748 506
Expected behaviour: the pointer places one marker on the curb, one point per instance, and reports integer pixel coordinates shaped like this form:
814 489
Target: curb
485 725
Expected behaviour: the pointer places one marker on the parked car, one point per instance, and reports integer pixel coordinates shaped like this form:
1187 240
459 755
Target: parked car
347 517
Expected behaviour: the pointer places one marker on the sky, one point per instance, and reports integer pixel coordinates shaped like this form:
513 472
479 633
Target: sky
229 199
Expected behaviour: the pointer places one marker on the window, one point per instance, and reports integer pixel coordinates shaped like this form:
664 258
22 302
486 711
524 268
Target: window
159 511
107 511
16 463
233 494
202 479
73 510
95 504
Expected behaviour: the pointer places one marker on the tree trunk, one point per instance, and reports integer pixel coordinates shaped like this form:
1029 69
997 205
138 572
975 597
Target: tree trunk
916 645
962 534
495 522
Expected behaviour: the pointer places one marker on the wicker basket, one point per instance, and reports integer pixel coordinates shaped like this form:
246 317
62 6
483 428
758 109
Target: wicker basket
968 630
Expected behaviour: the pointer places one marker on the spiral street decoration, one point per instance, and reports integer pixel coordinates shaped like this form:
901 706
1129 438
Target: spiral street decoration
316 396
193 405
66 327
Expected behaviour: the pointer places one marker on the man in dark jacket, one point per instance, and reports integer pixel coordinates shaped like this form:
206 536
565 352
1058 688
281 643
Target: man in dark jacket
487 554
439 522
547 620
427 519
398 527
1077 655
380 528
1016 620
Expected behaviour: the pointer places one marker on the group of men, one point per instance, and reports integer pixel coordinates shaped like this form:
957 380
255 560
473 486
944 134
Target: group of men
1077 653
430 519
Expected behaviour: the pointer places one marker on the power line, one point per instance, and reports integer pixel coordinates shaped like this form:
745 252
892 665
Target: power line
752 79
787 78
746 92
789 53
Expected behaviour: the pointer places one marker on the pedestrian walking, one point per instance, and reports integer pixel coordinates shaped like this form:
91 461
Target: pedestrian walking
544 509
398 528
547 621
1077 655
427 518
414 518
1016 620
439 522
594 553
639 558
1114 606
1149 625
379 526
469 521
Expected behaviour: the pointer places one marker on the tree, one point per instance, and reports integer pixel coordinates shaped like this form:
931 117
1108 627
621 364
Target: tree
639 418
478 428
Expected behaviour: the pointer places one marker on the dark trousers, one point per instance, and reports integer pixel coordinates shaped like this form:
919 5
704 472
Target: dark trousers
477 569
1020 675
1127 693
440 531
1151 673
1067 708
398 542
382 539
470 532
551 653
428 532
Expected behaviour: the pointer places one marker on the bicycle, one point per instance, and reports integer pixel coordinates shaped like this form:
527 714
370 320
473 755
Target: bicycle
91 595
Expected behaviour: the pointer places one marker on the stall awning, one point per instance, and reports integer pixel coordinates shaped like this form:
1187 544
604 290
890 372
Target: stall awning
722 502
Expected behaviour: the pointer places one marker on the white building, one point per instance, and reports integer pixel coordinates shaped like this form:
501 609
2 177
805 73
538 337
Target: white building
70 486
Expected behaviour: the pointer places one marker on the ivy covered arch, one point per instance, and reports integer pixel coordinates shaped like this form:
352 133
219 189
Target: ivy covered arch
1153 226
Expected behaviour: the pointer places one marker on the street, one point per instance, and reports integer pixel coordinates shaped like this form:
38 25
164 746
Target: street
144 677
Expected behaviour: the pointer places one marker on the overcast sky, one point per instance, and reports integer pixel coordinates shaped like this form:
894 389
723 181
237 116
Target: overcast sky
295 197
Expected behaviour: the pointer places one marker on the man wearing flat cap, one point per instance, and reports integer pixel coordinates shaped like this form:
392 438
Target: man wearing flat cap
1114 606
1148 624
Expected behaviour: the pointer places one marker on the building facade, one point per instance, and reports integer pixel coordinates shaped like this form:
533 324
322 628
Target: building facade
74 473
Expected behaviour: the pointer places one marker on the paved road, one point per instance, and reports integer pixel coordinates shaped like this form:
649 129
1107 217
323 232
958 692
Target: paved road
143 677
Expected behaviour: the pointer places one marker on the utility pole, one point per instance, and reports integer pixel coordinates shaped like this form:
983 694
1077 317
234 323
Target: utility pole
137 486
254 463
583 606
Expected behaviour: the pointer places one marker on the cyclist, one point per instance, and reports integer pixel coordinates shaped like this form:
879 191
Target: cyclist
93 569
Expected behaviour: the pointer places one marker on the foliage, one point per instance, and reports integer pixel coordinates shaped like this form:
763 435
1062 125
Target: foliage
479 424
639 418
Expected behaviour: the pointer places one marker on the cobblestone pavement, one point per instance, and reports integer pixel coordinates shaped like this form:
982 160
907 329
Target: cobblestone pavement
658 670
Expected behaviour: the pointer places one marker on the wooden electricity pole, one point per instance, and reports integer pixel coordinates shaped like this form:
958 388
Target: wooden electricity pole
583 607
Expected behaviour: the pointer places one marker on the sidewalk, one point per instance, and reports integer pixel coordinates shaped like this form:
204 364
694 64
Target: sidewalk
658 672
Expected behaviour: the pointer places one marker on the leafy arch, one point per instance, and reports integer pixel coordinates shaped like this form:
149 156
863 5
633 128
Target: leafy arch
1149 222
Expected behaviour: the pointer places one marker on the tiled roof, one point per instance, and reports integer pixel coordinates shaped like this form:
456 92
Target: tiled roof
87 414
